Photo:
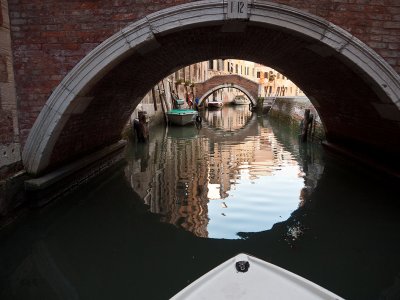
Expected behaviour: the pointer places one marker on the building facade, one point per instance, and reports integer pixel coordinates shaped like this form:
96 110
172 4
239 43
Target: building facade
271 82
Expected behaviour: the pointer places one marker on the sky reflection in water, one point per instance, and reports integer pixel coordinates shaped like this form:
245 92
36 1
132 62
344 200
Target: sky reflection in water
229 177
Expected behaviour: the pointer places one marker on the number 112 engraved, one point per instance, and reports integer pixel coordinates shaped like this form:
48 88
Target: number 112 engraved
237 9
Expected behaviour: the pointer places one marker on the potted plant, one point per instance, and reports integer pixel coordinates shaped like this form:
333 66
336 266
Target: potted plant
271 77
179 81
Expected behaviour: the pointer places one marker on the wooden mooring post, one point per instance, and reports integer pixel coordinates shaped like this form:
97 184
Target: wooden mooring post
141 127
305 125
163 101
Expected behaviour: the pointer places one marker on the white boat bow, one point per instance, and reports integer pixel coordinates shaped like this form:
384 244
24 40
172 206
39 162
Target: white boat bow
247 277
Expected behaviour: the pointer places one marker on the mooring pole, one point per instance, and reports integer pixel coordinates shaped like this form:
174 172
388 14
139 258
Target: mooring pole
306 122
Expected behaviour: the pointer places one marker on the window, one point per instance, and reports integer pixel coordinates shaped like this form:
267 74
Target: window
220 65
211 64
258 74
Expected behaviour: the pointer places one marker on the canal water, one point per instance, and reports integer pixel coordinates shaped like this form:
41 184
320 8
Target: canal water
193 197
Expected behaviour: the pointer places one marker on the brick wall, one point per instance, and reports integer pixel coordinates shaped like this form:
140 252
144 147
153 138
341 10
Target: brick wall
375 22
51 37
9 138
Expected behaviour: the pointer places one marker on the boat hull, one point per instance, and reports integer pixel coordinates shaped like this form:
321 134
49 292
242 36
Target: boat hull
240 102
246 277
214 105
181 117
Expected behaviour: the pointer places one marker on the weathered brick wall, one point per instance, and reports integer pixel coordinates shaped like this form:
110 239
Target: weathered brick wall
50 37
9 140
250 86
375 22
5 120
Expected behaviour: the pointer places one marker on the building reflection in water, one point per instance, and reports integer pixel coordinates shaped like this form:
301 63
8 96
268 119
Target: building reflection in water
230 176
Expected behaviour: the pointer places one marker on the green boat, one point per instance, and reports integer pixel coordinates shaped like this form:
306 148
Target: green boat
181 117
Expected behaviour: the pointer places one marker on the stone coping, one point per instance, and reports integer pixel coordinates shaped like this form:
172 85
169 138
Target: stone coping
67 170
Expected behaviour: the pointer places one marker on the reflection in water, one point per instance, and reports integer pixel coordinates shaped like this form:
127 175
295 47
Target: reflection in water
101 242
230 177
227 118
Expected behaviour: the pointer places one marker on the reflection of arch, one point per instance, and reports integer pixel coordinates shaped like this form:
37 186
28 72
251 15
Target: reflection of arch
228 85
86 89
249 129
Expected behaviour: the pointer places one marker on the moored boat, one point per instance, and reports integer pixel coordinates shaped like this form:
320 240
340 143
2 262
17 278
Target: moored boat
240 100
215 104
181 116
247 277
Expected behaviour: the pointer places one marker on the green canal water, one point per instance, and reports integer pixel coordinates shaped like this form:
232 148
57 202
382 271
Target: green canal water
191 198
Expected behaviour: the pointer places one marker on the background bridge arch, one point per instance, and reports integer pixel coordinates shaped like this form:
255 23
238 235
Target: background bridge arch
248 87
354 90
224 86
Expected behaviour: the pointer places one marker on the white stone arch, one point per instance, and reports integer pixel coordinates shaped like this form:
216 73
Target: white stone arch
69 96
229 85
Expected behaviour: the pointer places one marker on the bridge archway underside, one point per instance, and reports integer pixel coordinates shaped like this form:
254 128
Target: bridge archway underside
359 111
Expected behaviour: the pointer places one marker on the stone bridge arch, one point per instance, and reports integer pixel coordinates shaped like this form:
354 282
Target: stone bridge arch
246 86
355 91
